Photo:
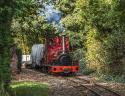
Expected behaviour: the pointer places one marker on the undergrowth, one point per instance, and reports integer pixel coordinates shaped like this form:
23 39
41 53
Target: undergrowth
109 78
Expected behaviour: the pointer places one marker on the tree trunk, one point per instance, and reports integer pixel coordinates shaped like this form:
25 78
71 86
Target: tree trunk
6 14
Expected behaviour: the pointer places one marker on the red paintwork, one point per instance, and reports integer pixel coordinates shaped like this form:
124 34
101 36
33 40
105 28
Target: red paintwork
56 49
52 53
59 69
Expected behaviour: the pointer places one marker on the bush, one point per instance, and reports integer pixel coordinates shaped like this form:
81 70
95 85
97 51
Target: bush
113 78
106 55
29 89
84 69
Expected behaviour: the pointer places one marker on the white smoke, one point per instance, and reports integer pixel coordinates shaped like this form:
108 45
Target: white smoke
52 15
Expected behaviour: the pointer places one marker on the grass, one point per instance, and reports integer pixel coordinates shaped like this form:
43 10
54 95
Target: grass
29 89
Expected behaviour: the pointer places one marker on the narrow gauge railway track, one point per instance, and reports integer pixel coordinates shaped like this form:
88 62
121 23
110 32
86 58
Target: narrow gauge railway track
94 88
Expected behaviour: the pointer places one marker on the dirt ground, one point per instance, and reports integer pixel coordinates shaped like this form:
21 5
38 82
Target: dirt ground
59 85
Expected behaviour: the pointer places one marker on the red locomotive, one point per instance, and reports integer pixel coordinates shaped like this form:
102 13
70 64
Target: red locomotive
56 56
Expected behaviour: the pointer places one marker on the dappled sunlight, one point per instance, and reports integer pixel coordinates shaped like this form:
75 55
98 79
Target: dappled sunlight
62 47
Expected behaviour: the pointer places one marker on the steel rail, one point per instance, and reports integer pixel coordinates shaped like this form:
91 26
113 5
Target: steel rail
101 86
85 86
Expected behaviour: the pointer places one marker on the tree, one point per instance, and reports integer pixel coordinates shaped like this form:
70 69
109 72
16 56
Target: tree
97 26
105 35
28 27
6 11
73 25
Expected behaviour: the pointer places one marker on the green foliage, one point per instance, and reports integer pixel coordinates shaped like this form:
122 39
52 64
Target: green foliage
3 92
65 6
29 89
98 27
104 26
6 11
74 25
30 31
28 27
25 8
110 78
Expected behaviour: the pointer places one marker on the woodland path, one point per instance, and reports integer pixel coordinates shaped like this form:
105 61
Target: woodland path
62 86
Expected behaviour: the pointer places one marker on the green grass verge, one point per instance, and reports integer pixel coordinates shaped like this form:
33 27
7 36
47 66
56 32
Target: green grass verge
29 89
